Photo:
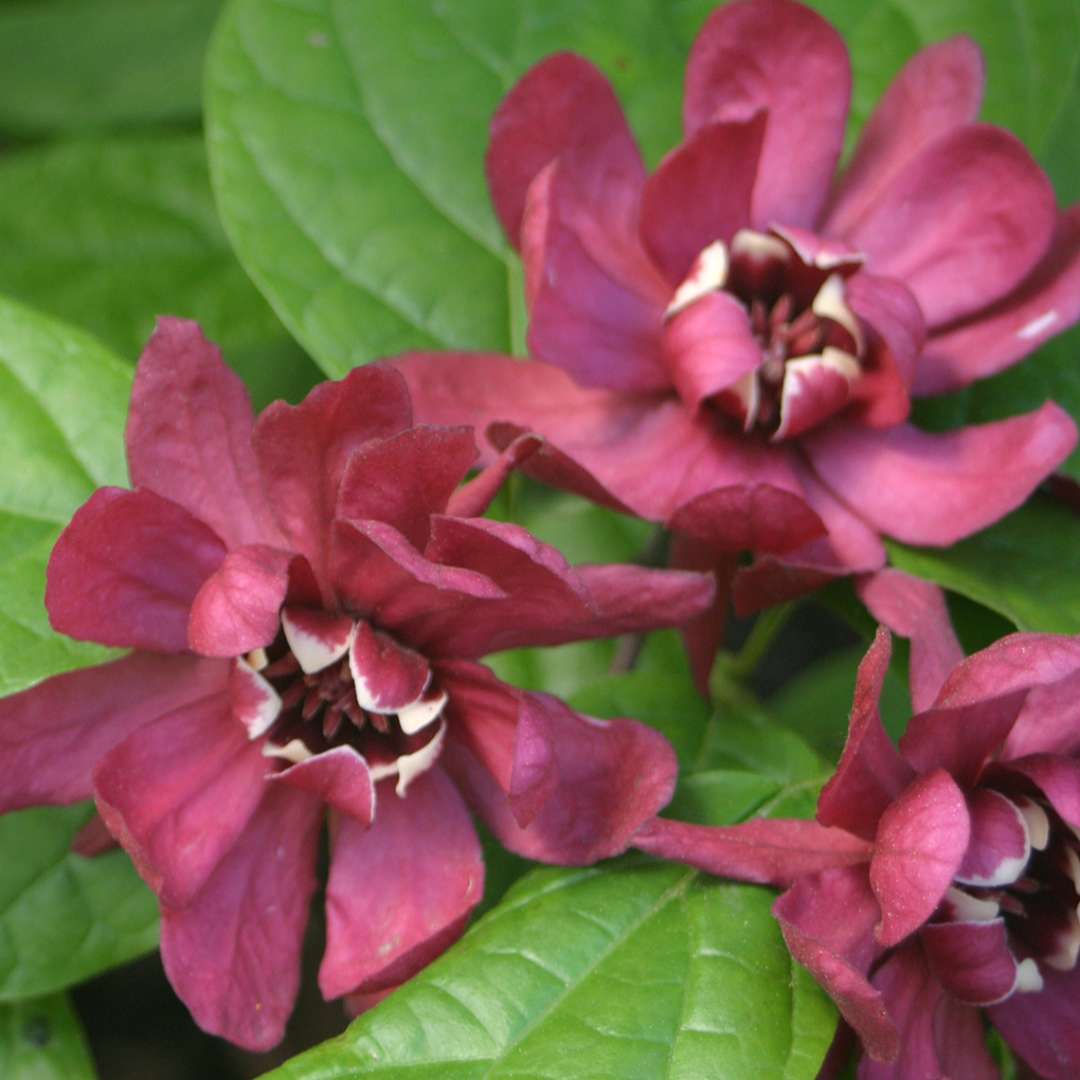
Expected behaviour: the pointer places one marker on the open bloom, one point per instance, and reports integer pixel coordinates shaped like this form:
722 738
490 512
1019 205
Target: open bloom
941 878
730 345
307 596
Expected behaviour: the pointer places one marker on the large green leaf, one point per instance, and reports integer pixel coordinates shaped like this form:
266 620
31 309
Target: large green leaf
68 65
109 234
43 1040
631 971
1027 567
63 400
63 917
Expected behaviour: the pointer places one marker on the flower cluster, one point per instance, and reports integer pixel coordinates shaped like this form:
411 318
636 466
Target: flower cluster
306 597
955 862
730 345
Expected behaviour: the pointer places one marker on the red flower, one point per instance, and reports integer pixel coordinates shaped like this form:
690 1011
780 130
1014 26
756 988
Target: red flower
307 596
940 878
730 344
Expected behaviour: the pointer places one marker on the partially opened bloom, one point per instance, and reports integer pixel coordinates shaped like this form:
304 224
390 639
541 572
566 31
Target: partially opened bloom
941 878
307 596
730 345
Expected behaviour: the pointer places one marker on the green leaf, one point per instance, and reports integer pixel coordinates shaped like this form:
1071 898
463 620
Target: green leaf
63 401
1026 567
63 917
66 65
43 1040
109 234
637 971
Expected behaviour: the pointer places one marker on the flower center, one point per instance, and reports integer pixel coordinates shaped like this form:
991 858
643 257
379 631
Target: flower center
810 340
331 680
1035 892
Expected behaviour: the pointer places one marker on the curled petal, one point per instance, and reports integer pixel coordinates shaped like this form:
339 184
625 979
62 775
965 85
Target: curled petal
233 953
52 735
936 489
999 847
238 607
126 570
1058 778
990 340
189 435
939 1037
761 851
709 346
972 960
563 103
584 786
871 773
815 388
387 676
400 892
701 193
474 498
339 777
781 57
915 609
407 477
839 952
938 89
921 839
596 302
317 638
303 450
179 792
962 243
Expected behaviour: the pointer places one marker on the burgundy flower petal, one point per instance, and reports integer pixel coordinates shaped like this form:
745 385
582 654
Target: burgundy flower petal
992 339
388 677
961 740
406 478
400 892
1059 780
189 435
238 607
936 489
598 782
233 954
650 453
126 570
701 193
999 847
939 1037
179 792
709 346
971 959
474 498
838 951
964 243
815 388
317 638
761 851
1044 1028
871 773
782 57
339 777
53 735
915 609
704 634
378 573
892 316
921 839
940 88
596 302
303 450
749 517
561 104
